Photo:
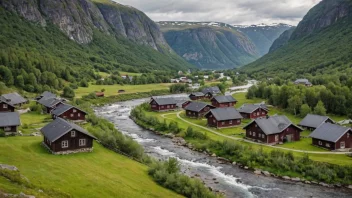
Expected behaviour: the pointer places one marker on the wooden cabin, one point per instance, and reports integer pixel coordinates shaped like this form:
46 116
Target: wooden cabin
50 103
14 99
253 111
63 137
223 101
46 94
197 96
197 109
6 107
9 122
332 137
99 94
163 104
210 92
312 122
273 130
223 117
304 82
69 112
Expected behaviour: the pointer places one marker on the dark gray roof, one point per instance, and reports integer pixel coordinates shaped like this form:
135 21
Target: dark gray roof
223 99
313 121
329 132
213 90
48 94
49 102
14 98
59 127
196 106
272 125
197 94
4 101
229 113
303 81
62 108
165 101
9 119
249 108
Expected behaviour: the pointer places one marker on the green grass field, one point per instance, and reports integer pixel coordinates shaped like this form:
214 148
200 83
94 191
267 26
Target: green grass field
32 122
101 173
111 90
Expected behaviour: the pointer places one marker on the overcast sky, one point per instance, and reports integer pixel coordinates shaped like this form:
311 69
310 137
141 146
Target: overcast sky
242 12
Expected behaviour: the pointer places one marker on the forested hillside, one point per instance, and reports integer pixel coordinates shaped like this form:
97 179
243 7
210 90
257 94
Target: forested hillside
318 48
39 52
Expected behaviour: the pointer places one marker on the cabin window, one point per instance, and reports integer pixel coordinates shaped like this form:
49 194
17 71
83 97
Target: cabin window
258 113
71 115
74 110
276 138
263 113
4 106
73 133
238 121
253 133
79 115
342 145
82 142
64 144
214 121
348 135
153 105
230 122
263 136
327 145
256 125
168 106
7 128
250 133
222 123
189 113
320 143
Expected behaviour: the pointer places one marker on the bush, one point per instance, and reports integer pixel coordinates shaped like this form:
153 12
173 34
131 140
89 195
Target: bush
190 133
68 93
2 133
36 108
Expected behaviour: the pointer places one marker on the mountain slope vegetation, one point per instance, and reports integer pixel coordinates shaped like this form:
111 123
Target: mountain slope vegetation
209 45
38 52
318 46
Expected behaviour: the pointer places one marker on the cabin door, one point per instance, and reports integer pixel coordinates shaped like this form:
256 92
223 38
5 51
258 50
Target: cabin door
289 138
342 145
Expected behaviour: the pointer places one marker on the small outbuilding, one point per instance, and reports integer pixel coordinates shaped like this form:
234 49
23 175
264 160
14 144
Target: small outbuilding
223 101
63 137
163 104
223 117
69 112
253 111
311 121
210 92
197 109
273 130
50 103
6 107
9 122
99 94
14 99
197 96
304 82
332 137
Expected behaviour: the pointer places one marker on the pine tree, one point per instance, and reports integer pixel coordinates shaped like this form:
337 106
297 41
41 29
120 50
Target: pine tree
320 109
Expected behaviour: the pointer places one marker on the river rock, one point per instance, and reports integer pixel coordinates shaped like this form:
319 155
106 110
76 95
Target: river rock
266 173
350 186
213 155
234 163
258 172
223 159
296 179
246 167
286 177
169 135
314 182
8 167
324 184
338 185
307 182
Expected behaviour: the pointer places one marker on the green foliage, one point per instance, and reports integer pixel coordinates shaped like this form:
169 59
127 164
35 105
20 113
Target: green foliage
37 108
167 175
2 133
179 88
320 109
304 110
68 92
191 133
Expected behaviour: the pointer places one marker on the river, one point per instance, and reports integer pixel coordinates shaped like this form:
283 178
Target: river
231 180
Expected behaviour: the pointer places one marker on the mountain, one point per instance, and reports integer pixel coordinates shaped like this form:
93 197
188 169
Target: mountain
209 45
263 35
318 46
282 40
67 39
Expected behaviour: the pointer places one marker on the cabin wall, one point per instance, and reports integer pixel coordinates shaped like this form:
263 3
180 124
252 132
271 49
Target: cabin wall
6 108
199 114
222 105
347 139
212 122
73 142
323 143
256 133
71 115
12 130
196 97
156 107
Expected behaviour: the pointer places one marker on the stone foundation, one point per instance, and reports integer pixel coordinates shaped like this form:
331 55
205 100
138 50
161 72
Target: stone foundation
82 150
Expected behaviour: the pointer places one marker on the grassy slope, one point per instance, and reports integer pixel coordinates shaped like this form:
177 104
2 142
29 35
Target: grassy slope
102 173
304 144
111 90
325 52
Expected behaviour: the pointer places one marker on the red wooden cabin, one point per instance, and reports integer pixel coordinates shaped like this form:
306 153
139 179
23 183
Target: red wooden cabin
197 109
223 117
253 111
223 101
163 104
332 137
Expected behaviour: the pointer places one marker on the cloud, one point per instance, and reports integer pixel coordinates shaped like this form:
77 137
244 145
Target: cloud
228 11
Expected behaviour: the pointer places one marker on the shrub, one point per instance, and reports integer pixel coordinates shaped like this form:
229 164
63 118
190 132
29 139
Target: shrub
2 133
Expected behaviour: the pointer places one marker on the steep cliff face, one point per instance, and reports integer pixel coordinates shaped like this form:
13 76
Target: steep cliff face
78 18
214 46
319 45
326 13
263 35
282 40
